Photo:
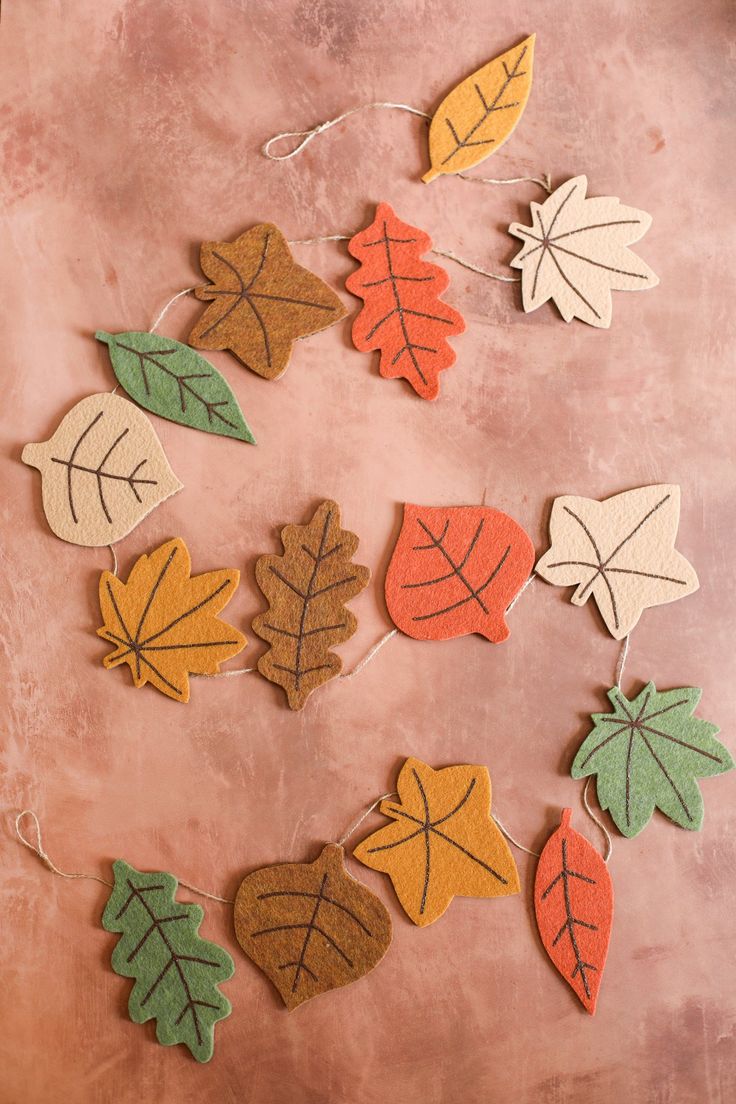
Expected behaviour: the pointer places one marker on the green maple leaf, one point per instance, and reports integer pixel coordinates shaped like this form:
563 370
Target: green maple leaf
176 972
648 754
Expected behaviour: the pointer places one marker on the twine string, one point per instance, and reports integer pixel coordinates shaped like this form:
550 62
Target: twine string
529 582
594 818
511 839
38 849
621 662
371 654
114 559
168 306
367 812
307 135
544 181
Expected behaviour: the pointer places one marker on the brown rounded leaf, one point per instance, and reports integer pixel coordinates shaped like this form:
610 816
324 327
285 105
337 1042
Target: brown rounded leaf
311 927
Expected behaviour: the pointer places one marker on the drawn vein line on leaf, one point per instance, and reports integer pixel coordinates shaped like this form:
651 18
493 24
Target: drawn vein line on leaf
456 570
308 928
182 382
175 959
99 473
245 294
572 921
307 597
137 647
400 309
429 827
488 109
602 568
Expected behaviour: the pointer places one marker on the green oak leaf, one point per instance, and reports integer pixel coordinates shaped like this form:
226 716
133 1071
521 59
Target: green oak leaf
176 972
648 753
173 381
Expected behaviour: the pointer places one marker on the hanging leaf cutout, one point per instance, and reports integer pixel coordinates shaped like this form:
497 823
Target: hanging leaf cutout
455 570
307 589
261 300
573 902
621 550
403 315
163 621
102 471
442 843
177 973
480 114
576 252
648 753
173 381
311 927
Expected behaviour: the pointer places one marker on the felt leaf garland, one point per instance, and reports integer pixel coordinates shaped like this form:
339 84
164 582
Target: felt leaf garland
102 471
311 927
262 301
621 550
403 315
307 589
455 570
177 973
573 902
442 843
173 381
477 117
648 753
576 252
163 621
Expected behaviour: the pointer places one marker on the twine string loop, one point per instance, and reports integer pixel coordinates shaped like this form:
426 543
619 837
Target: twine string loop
307 135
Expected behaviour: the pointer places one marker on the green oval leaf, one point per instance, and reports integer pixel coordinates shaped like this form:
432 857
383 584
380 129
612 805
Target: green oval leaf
176 972
648 753
171 380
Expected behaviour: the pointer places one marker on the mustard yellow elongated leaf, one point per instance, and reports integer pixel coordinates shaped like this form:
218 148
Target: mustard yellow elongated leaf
477 117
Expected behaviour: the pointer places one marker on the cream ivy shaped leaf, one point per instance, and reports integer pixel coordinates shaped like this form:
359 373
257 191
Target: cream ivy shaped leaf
621 550
576 252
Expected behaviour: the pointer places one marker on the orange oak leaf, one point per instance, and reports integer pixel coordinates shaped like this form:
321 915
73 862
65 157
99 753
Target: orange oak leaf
163 621
403 315
455 570
307 589
262 301
442 843
573 902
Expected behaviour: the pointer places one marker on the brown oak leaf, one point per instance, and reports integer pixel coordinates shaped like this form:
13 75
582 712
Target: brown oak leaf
307 589
163 621
262 300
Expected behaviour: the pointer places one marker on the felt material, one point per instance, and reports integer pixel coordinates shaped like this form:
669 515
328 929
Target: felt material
621 550
648 753
576 252
262 301
573 903
477 117
403 315
455 570
163 621
442 843
102 471
307 589
311 927
177 973
173 381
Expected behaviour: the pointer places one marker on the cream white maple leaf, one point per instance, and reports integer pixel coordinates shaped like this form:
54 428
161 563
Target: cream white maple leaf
621 550
577 251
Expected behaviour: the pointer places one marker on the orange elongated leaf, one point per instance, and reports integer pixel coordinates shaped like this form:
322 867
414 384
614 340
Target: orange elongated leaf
403 315
455 570
163 621
311 927
307 589
261 300
573 902
442 843
477 117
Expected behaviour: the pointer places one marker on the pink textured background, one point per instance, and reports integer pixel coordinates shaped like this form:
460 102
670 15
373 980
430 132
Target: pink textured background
130 132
